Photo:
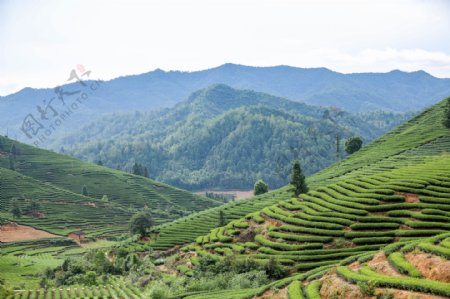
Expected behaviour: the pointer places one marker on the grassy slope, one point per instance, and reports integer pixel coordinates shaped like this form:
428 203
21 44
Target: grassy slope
408 144
57 180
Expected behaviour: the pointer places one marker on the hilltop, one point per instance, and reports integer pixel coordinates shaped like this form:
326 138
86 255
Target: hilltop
158 89
225 138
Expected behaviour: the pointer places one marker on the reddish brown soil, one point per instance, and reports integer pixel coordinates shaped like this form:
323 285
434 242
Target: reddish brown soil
398 294
431 266
270 294
333 285
409 197
14 232
380 264
355 266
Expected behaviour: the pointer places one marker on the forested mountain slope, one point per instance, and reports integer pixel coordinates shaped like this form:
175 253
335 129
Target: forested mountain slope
420 140
225 138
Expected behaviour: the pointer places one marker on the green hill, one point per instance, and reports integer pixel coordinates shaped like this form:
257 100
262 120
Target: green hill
394 191
369 225
344 220
412 143
56 182
424 135
225 138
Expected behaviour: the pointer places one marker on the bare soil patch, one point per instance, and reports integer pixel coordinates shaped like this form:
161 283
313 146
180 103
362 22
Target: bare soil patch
15 232
335 287
399 294
380 264
270 294
409 197
431 266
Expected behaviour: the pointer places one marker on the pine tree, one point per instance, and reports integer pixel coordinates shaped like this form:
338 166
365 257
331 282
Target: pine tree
298 179
447 114
84 191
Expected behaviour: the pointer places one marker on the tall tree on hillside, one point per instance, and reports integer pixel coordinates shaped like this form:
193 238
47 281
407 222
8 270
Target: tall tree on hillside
260 188
140 222
84 191
15 209
447 114
139 169
353 145
298 179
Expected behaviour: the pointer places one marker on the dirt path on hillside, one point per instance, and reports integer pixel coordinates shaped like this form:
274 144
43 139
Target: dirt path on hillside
14 232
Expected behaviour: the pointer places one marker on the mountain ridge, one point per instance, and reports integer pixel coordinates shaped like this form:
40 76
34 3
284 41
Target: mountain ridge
159 89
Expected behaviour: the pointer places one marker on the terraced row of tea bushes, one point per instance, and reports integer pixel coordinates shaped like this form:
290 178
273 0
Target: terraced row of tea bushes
315 223
188 229
94 292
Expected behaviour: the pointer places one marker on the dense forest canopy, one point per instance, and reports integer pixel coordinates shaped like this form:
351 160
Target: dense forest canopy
225 138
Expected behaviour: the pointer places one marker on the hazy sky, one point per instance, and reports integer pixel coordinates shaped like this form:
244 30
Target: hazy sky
41 41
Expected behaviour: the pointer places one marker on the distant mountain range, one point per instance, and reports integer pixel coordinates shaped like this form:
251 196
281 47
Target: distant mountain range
225 138
393 91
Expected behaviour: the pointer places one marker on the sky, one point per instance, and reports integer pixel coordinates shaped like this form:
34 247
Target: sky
42 41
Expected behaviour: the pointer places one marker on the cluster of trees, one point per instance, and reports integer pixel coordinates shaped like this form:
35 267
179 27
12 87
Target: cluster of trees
297 181
226 139
139 169
31 208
